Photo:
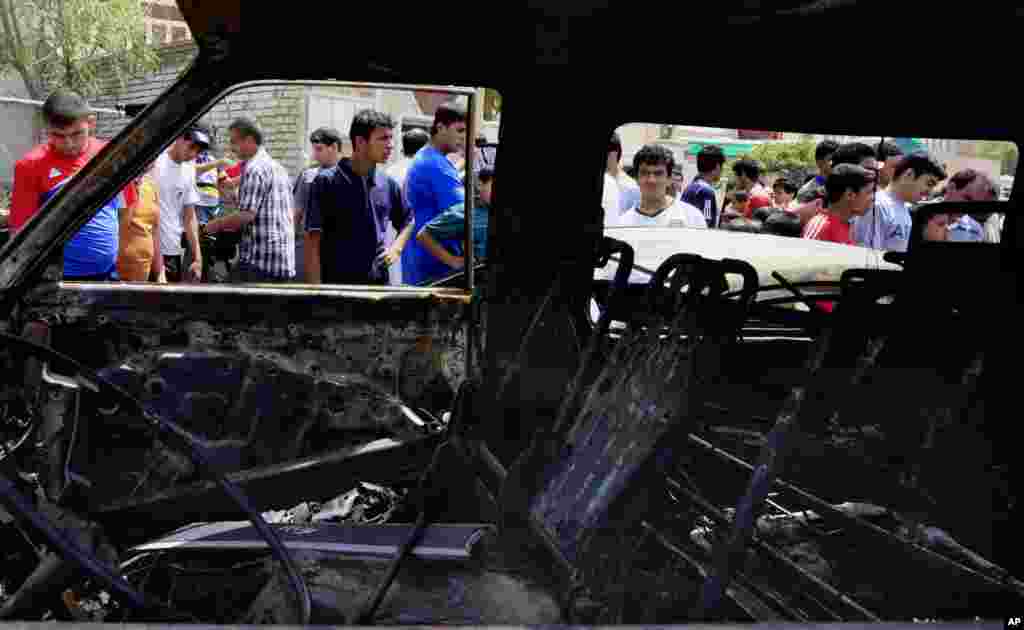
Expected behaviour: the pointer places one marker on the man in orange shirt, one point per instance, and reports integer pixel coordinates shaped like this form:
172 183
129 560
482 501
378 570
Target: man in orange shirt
139 255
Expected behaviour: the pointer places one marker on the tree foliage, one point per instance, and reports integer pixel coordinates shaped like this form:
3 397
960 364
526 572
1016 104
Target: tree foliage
77 44
492 104
1005 153
790 159
779 157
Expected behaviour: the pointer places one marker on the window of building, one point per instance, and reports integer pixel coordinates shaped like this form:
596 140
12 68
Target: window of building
159 34
180 34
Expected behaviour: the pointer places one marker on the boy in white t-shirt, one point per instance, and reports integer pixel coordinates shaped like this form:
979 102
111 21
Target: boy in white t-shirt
657 207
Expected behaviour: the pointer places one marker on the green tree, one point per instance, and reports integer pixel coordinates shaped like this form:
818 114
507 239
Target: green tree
795 159
780 157
77 44
1005 153
492 103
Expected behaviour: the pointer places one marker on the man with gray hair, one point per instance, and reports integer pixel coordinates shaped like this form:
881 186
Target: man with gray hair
265 217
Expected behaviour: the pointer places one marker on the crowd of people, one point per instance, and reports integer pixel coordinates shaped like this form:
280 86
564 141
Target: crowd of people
345 220
861 195
353 220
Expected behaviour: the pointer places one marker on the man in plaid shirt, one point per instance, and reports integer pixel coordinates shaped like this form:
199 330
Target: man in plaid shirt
267 248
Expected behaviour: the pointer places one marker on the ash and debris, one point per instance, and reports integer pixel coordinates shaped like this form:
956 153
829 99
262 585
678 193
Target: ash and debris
366 504
90 605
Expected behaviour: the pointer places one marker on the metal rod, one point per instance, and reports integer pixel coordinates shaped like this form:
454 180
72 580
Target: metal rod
25 101
469 206
441 89
773 457
862 526
741 595
720 517
789 286
469 180
865 362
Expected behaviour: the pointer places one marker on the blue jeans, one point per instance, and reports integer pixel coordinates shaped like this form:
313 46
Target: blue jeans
205 213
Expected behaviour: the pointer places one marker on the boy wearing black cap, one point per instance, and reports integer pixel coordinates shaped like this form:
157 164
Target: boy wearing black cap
175 176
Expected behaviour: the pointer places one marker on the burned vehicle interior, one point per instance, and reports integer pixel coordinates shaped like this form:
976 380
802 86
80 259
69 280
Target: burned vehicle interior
487 450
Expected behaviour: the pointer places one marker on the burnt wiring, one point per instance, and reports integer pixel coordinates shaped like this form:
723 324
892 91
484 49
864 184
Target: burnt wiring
72 550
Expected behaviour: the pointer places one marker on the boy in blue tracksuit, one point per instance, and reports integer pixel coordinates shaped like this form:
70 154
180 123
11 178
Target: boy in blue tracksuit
450 226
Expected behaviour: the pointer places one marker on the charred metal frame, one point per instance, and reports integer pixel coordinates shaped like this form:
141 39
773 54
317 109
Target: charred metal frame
865 530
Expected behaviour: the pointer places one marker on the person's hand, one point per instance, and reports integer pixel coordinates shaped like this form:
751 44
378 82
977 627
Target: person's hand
390 256
457 262
195 271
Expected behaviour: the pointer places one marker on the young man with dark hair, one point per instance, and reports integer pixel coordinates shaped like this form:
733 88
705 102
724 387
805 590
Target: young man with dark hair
431 187
969 185
783 193
412 141
748 175
675 185
888 154
620 192
91 254
745 225
450 226
326 145
701 192
823 158
849 188
178 196
265 215
350 207
781 223
856 153
656 207
812 199
887 226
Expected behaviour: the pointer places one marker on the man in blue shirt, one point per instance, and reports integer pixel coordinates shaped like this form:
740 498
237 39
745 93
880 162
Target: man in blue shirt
450 225
349 209
432 186
701 193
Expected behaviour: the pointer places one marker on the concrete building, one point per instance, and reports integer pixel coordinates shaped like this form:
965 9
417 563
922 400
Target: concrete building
288 112
164 23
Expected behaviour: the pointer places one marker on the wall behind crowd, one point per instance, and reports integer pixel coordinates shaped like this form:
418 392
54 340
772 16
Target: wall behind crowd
286 113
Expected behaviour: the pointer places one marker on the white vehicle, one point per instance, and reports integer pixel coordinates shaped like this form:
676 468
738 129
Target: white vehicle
798 260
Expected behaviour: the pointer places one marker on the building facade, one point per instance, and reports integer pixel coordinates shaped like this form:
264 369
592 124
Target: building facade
165 23
287 113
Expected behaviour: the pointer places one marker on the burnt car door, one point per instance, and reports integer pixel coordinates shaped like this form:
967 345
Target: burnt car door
282 386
